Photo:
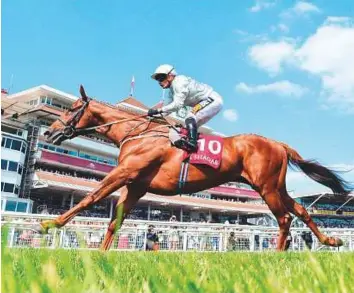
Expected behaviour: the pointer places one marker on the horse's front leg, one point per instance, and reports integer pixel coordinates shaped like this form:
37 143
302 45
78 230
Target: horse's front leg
129 195
117 178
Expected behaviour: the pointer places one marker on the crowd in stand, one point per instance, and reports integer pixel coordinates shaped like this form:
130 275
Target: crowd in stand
71 173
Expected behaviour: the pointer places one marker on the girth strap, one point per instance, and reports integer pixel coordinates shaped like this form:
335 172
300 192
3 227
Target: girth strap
183 175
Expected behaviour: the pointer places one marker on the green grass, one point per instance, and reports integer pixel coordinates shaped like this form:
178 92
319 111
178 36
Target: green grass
43 270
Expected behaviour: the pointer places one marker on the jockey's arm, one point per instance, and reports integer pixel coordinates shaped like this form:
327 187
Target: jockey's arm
180 92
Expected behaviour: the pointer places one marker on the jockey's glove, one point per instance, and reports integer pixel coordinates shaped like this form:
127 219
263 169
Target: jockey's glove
153 112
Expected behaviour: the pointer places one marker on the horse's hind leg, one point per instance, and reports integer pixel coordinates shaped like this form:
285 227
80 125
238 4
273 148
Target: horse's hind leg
275 204
128 198
298 210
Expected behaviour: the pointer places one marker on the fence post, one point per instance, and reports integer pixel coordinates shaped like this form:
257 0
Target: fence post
145 234
12 236
185 241
252 241
55 231
136 246
225 238
61 237
221 242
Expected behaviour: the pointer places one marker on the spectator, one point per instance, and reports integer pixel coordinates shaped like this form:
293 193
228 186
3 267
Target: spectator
152 239
231 242
307 237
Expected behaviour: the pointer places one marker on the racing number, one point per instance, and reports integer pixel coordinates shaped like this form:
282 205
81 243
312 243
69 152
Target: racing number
214 146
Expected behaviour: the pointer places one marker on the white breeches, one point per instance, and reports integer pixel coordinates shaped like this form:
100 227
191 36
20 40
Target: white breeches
206 109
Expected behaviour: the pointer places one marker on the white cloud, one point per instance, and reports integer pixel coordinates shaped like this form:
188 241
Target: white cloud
271 55
249 37
283 88
327 54
282 27
338 19
230 115
302 7
261 4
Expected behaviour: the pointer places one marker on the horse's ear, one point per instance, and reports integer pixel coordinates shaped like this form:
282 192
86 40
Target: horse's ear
83 94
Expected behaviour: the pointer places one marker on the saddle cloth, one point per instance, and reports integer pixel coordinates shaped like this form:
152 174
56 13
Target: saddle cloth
209 152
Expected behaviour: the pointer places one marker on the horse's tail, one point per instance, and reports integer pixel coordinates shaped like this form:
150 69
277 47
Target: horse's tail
319 173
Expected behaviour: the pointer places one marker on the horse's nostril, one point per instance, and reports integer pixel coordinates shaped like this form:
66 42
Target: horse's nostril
47 132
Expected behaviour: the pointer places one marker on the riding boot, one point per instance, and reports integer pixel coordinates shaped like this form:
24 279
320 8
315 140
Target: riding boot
192 128
191 143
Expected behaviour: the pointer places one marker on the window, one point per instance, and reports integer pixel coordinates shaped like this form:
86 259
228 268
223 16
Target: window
13 144
16 145
8 129
2 186
51 148
40 145
9 187
60 150
19 132
73 153
3 165
20 169
8 143
21 207
10 206
23 148
13 166
16 189
43 99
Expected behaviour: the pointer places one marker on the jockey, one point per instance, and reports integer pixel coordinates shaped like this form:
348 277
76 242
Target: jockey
185 91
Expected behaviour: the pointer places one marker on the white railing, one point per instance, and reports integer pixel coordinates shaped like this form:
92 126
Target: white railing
88 233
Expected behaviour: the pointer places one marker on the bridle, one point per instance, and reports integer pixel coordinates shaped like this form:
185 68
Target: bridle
70 130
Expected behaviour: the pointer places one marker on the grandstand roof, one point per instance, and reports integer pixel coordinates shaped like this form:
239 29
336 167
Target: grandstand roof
317 194
45 90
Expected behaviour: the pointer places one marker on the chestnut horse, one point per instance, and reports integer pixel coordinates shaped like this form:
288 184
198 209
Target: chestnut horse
149 163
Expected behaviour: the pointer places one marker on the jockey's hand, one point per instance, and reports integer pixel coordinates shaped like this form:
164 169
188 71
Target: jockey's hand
153 112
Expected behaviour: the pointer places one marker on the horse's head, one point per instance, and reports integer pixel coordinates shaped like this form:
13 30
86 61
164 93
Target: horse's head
77 117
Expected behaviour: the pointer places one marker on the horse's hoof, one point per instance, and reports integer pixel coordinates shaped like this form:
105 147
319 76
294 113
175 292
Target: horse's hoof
43 227
39 229
339 242
334 242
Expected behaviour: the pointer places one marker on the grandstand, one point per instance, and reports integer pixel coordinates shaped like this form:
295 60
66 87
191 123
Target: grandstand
41 178
328 210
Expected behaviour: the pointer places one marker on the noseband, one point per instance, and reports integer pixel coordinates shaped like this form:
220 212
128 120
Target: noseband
70 130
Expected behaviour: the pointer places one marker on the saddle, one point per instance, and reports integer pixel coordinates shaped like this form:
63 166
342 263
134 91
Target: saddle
209 152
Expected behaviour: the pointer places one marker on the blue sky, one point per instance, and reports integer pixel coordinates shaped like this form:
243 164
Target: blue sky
283 67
